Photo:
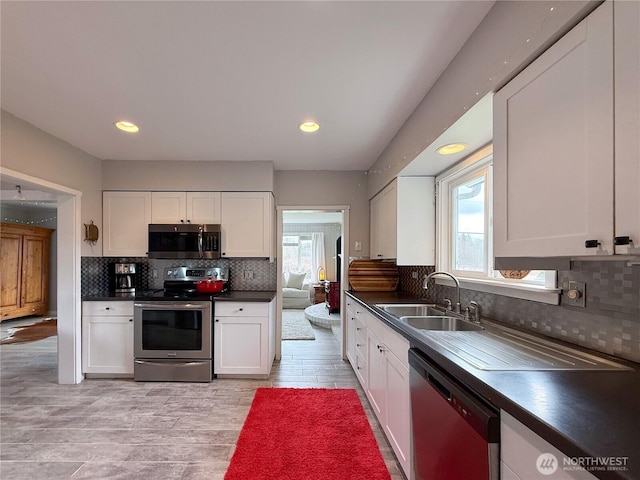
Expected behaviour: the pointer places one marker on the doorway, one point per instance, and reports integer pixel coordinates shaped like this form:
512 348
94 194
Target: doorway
299 232
68 237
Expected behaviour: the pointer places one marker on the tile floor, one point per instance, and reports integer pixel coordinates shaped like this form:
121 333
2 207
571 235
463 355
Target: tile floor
120 429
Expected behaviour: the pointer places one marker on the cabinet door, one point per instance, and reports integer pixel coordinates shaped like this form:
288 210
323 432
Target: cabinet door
35 273
376 375
169 207
11 270
521 448
627 124
351 334
203 207
376 229
383 232
416 221
107 344
398 416
246 224
241 345
553 148
125 218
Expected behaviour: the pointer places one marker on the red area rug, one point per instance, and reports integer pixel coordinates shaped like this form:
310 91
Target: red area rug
306 434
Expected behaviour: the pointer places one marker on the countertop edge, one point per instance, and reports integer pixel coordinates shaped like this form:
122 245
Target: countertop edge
236 295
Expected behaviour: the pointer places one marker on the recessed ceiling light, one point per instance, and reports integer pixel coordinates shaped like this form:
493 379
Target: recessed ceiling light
451 148
309 127
127 126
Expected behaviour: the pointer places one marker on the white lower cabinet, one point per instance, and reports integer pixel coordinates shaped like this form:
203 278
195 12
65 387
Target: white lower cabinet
357 340
525 455
379 358
107 338
244 339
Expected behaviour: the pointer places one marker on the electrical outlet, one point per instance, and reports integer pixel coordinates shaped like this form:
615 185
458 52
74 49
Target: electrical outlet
358 246
576 294
155 273
414 274
248 274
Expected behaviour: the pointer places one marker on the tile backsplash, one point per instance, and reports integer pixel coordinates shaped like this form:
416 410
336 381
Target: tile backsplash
95 272
610 322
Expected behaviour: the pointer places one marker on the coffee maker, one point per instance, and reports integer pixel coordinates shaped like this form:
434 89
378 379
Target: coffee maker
123 278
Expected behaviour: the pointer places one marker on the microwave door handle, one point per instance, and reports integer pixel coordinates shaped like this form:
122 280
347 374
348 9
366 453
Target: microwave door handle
200 243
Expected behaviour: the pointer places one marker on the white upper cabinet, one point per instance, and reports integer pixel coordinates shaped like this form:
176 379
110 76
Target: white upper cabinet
403 222
125 218
554 148
185 207
247 224
383 223
627 125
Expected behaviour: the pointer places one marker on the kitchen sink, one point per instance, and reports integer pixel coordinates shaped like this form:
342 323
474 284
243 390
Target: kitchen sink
442 323
411 309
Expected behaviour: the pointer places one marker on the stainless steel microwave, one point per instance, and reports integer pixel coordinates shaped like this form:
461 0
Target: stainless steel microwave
184 241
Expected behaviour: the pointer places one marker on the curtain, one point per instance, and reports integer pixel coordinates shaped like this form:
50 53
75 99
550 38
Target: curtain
317 255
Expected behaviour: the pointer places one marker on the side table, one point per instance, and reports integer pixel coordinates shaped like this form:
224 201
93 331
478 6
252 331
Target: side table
318 293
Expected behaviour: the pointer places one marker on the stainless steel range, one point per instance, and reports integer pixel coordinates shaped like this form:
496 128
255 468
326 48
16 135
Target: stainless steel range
172 330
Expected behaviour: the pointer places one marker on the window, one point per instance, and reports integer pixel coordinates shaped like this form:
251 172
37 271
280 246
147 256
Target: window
296 254
465 230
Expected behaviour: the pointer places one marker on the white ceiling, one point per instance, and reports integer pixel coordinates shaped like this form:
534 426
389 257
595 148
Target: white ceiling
228 81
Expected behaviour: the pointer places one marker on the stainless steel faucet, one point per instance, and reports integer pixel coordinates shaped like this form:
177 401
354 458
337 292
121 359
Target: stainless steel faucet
425 285
474 312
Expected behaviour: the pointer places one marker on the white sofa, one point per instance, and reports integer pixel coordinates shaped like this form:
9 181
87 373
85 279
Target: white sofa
296 292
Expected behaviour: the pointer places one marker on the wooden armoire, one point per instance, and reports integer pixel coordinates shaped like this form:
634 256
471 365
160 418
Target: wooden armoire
24 270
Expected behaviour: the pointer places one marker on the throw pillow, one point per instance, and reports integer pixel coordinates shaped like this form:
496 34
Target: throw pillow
296 280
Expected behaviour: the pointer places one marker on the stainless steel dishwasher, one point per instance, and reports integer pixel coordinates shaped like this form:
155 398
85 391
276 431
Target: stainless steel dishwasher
455 434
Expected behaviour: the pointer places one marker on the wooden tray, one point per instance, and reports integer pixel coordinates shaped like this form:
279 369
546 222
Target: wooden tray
373 276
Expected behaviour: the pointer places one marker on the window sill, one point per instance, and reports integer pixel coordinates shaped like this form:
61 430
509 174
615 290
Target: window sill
525 292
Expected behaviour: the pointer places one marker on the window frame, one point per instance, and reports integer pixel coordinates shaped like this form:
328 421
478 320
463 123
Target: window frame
301 237
474 164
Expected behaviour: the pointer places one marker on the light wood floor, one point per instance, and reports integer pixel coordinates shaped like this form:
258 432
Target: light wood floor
121 429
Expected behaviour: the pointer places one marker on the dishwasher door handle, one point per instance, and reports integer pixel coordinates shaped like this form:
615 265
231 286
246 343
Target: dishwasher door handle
441 389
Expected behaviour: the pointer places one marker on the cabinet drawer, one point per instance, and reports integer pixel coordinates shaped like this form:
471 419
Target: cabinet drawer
361 368
361 346
395 342
398 345
361 328
241 309
105 308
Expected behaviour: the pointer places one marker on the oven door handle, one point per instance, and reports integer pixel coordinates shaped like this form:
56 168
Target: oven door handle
166 306
178 363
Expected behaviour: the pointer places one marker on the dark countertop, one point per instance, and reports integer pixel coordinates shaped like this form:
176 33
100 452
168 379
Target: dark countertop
107 297
239 295
582 413
246 296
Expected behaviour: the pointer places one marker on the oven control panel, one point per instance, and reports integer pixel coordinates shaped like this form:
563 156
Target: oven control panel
196 273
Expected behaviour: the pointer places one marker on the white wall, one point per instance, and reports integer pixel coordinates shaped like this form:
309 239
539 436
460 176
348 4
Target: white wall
29 150
323 188
187 176
494 54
